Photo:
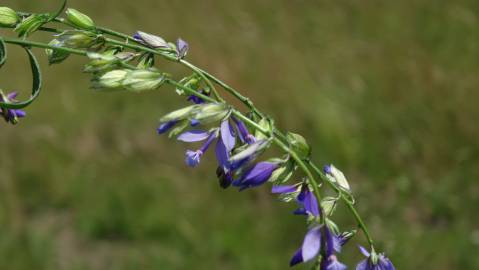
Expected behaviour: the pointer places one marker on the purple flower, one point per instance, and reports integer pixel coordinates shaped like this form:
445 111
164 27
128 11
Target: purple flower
193 158
308 203
306 198
11 115
256 175
284 189
312 244
243 132
374 261
181 48
224 145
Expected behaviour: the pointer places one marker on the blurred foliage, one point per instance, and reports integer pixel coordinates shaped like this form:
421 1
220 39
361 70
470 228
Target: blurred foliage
386 90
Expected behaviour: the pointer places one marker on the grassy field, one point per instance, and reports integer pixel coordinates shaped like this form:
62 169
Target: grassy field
385 90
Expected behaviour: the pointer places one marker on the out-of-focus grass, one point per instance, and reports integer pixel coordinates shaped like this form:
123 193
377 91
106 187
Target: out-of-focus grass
386 91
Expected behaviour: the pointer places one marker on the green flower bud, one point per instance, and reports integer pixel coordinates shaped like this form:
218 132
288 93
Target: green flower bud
8 16
31 24
79 39
265 124
328 204
55 56
79 19
107 60
211 112
111 79
140 80
336 176
180 114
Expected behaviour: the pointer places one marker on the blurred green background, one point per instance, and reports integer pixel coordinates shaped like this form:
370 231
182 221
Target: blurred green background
385 90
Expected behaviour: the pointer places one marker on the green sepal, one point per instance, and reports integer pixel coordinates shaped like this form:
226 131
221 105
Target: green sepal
180 114
211 112
299 145
191 81
283 173
328 204
147 60
56 56
179 128
31 24
267 125
332 226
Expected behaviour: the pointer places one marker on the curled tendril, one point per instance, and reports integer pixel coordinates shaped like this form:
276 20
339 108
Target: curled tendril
37 78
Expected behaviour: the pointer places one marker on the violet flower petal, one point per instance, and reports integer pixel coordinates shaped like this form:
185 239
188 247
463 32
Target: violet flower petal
334 264
222 155
228 135
166 126
311 244
12 95
258 174
364 251
311 204
363 265
20 113
193 136
283 189
297 258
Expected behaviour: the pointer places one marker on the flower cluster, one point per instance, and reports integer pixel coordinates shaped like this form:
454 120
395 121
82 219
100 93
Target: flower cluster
237 151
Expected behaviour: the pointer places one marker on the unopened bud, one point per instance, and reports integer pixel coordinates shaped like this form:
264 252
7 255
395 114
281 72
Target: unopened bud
8 16
150 40
79 39
31 24
79 19
111 79
336 176
211 112
140 80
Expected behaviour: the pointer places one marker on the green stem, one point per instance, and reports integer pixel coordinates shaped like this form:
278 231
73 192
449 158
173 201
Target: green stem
27 43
